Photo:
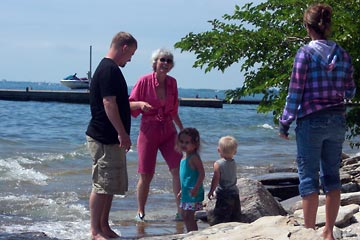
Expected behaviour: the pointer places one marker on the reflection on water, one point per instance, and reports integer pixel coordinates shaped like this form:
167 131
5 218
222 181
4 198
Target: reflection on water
45 167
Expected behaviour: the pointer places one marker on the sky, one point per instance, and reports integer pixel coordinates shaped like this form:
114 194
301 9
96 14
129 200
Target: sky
47 40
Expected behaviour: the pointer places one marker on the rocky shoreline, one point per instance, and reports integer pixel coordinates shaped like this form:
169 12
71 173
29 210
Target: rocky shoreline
271 209
267 218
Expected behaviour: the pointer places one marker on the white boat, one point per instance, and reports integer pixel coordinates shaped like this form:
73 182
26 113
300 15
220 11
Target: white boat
73 82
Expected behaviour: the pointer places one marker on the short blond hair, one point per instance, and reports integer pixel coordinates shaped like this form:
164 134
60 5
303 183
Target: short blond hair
228 145
123 38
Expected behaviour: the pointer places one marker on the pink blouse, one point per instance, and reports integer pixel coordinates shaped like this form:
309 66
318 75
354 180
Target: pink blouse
145 90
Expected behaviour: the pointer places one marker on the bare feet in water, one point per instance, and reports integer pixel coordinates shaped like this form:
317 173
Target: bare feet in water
110 233
99 236
105 235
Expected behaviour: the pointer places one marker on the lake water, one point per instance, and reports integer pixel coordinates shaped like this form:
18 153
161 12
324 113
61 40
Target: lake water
45 168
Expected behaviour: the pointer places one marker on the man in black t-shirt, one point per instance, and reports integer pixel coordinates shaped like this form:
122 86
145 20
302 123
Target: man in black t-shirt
108 133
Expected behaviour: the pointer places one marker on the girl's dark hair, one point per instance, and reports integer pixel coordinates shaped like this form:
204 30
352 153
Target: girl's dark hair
318 18
194 135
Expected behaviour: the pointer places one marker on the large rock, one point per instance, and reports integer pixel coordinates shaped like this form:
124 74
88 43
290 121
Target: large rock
282 185
256 201
343 218
292 204
350 174
270 227
295 203
350 198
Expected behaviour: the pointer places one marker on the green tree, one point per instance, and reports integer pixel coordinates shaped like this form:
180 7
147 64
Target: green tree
264 38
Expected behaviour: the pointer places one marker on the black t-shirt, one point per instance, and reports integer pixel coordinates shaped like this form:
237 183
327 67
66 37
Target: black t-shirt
108 80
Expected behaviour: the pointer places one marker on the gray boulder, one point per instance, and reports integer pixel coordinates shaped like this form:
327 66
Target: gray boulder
256 201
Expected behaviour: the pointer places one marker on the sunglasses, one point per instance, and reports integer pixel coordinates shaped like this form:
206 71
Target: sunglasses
167 60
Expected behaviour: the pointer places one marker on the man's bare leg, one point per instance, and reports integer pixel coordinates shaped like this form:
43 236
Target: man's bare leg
96 205
105 227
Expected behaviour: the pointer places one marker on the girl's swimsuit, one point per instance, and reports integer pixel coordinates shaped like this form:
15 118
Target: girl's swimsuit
188 178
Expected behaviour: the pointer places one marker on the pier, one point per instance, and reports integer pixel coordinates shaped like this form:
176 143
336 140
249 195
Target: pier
82 97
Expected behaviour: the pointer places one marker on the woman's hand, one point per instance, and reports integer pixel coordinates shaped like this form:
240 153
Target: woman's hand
144 106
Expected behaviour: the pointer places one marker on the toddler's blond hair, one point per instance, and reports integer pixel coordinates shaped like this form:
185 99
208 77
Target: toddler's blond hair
228 145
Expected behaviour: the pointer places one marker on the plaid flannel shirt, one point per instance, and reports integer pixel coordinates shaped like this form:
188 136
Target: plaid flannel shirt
317 83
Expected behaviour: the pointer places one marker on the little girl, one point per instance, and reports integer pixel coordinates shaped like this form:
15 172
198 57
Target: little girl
192 175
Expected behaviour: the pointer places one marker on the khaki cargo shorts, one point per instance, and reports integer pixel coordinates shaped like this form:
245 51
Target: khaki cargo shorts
109 170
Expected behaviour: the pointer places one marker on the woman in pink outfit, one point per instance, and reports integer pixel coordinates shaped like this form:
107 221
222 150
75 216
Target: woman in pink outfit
157 97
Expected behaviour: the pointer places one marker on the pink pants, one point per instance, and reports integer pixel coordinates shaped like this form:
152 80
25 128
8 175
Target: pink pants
156 136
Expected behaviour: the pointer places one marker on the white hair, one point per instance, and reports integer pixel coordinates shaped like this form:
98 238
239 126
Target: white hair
161 52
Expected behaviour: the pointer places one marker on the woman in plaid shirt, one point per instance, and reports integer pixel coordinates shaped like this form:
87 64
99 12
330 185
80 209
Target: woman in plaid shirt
321 82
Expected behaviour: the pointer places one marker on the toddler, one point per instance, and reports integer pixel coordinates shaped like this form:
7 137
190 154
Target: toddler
227 208
192 175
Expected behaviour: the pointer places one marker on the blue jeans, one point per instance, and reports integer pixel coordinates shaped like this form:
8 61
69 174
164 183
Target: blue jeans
319 139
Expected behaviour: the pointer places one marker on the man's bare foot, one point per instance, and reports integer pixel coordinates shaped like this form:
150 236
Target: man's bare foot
99 236
110 233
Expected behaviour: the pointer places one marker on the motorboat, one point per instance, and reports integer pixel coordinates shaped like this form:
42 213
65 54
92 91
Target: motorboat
73 82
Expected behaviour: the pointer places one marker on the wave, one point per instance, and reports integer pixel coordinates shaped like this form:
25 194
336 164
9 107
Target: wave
12 170
266 126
